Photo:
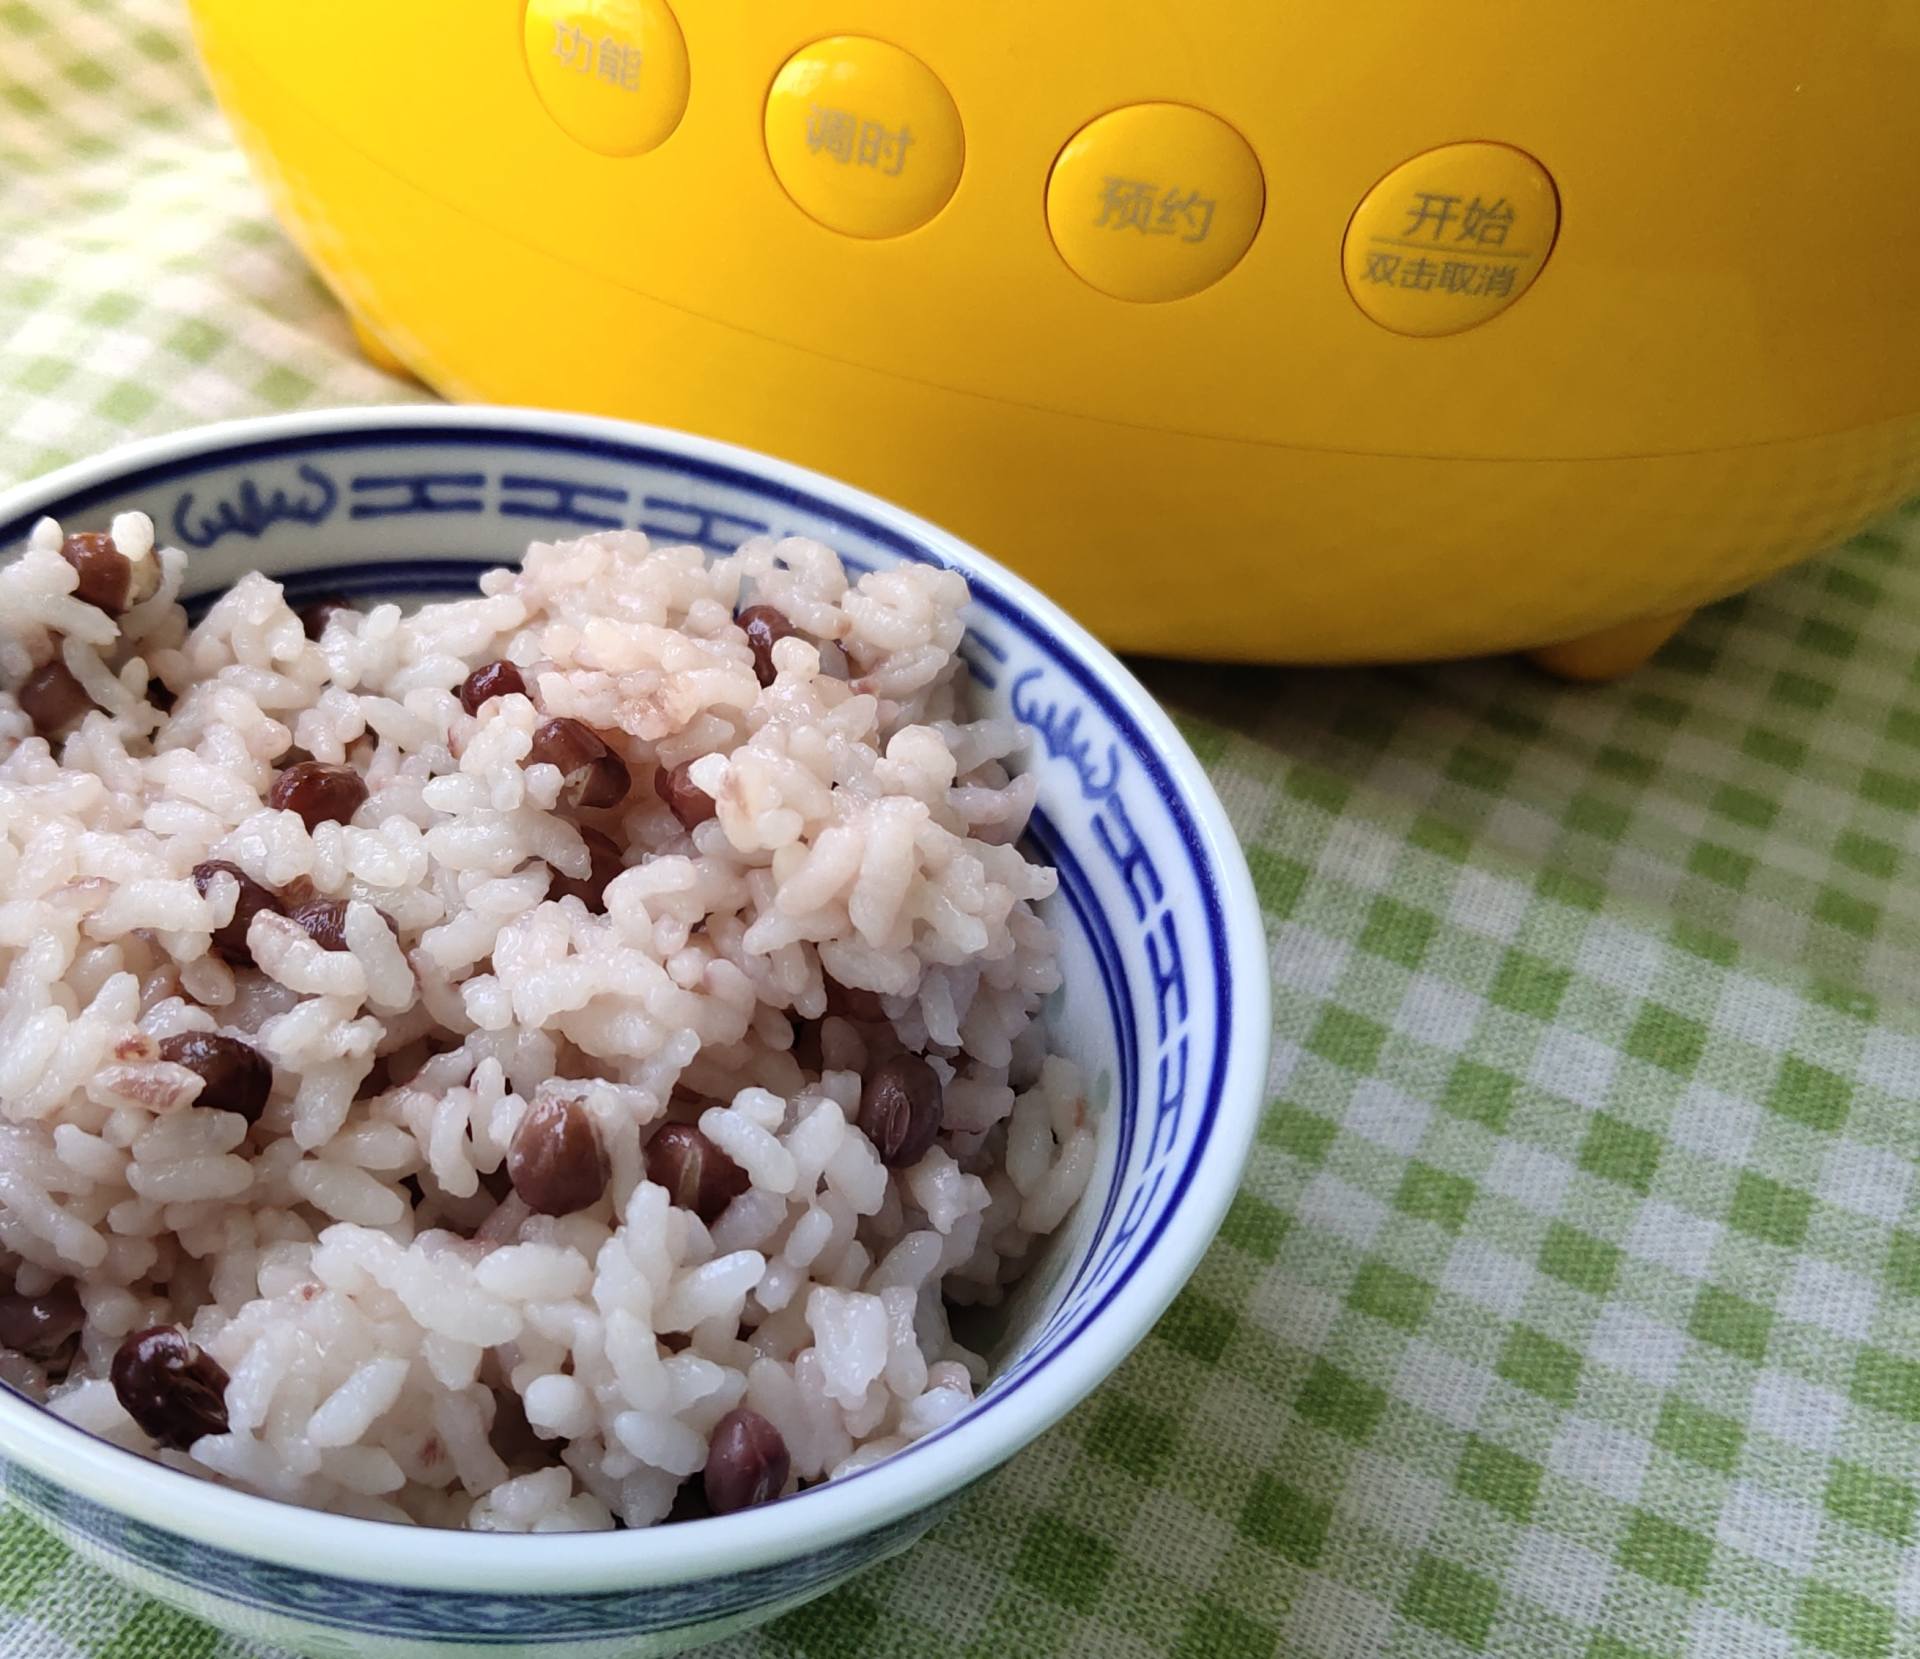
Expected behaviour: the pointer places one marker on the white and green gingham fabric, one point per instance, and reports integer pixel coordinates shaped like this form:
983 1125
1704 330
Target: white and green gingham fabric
1571 1306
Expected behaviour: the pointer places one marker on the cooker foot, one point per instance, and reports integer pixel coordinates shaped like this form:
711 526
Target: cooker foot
378 353
1611 653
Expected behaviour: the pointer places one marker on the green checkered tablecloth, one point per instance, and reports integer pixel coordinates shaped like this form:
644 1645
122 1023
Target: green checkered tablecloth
1572 1302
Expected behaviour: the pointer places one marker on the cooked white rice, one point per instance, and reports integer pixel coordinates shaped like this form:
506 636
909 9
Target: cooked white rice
390 1314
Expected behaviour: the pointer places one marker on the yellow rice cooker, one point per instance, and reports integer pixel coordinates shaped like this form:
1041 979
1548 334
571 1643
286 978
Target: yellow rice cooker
1314 332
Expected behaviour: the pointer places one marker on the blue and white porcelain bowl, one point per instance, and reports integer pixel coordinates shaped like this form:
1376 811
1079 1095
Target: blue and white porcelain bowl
1165 1006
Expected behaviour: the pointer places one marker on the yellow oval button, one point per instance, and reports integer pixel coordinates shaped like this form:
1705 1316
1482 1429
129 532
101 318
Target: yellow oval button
863 136
1451 238
1154 202
612 73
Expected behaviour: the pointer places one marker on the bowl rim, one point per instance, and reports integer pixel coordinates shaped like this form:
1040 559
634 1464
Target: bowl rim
349 1547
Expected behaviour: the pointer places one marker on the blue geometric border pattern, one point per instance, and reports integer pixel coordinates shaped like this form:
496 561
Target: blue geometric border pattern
389 1610
1075 889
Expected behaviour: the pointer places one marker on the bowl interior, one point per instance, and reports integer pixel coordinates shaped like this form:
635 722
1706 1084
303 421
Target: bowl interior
415 504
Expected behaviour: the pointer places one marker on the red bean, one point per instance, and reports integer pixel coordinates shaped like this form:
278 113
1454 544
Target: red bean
316 614
513 1437
607 862
685 799
592 775
853 1002
494 679
234 1076
319 792
106 574
230 941
54 700
747 1462
765 627
900 1109
173 1390
698 1176
689 1502
555 1160
325 922
42 1327
806 1046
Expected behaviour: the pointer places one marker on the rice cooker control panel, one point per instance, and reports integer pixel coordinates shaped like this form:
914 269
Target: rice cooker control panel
1148 203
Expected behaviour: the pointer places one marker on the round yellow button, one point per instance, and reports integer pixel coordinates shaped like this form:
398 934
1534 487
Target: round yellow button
1154 202
612 73
1451 238
863 136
